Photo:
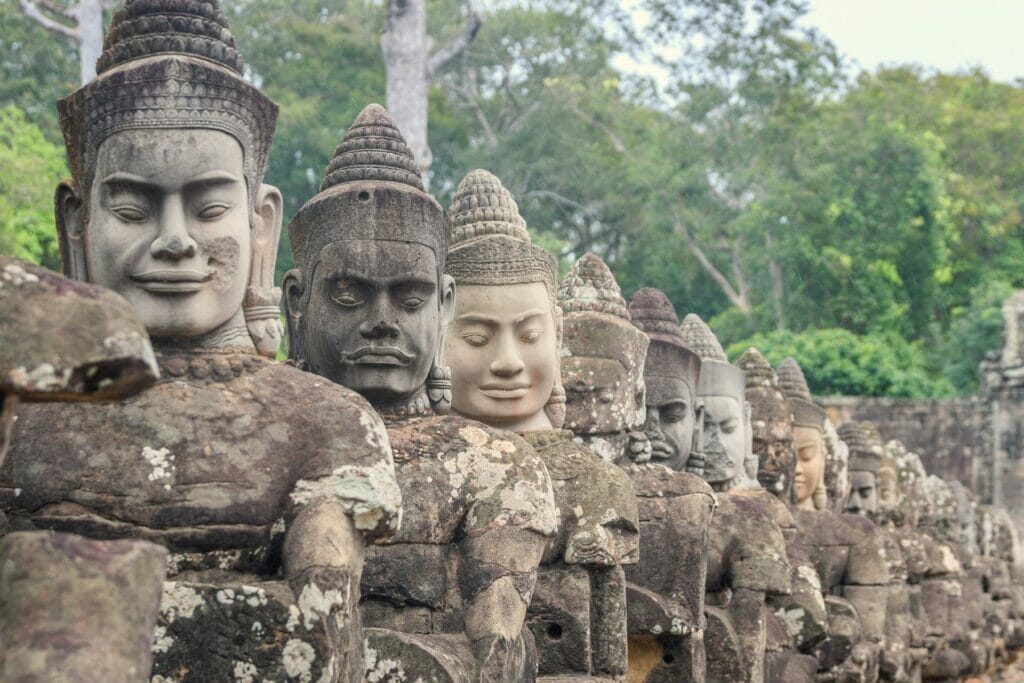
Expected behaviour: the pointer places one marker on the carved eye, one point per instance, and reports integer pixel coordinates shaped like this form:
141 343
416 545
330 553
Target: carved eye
346 300
531 336
474 339
213 211
130 214
412 302
728 427
673 413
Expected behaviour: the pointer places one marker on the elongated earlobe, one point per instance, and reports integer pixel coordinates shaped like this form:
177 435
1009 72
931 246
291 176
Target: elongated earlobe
69 212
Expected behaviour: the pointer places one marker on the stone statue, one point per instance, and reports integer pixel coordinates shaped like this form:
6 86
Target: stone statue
603 361
671 373
72 608
366 307
262 481
503 348
837 474
726 412
809 491
772 425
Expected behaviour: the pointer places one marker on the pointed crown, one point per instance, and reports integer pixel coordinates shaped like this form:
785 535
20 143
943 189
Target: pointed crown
700 339
794 387
482 207
490 244
762 388
373 149
667 356
167 64
757 370
590 286
717 376
372 190
863 455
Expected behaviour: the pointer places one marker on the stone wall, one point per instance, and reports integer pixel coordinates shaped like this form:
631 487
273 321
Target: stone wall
951 436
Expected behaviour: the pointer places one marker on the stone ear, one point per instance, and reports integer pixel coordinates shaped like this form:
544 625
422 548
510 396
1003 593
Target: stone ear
262 298
447 300
294 290
697 442
69 212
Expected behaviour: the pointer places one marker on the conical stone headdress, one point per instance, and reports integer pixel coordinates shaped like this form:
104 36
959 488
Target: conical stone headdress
490 244
667 357
590 286
766 400
167 64
794 387
597 322
717 376
864 456
371 190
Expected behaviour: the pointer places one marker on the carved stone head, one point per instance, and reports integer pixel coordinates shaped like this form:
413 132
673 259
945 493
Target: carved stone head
837 473
865 460
910 476
726 437
602 353
809 491
504 343
671 372
168 147
966 509
368 300
772 424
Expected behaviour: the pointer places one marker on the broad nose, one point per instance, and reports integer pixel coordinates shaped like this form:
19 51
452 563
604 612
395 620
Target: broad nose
652 425
173 242
507 362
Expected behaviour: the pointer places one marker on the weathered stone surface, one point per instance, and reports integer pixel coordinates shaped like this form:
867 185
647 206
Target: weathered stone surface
206 466
75 609
66 340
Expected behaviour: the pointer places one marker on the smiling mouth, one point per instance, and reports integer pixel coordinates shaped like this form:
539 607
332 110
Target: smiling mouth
379 355
659 449
172 281
505 392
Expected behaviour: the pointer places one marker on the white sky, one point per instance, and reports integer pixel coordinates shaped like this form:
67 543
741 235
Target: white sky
947 35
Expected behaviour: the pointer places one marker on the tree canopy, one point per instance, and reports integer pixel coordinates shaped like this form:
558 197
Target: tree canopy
868 224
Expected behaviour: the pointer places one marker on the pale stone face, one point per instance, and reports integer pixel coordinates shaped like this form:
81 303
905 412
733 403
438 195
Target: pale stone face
169 227
502 348
727 415
863 493
373 321
669 427
810 465
888 490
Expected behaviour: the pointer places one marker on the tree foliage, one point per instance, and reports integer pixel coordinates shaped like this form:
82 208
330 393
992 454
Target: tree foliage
870 223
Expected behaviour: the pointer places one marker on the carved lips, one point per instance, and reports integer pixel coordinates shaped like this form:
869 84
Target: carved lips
379 355
505 391
172 281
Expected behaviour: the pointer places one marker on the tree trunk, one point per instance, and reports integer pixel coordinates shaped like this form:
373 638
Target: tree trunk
90 37
404 45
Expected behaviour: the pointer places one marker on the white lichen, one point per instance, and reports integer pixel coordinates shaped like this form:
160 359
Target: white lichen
297 657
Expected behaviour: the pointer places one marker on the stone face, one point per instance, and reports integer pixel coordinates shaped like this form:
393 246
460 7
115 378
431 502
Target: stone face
727 436
504 348
772 422
809 492
671 373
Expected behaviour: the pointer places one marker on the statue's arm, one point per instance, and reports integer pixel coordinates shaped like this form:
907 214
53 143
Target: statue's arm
496 576
323 550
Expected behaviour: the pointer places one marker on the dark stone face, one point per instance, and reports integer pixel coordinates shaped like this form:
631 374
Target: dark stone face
773 445
863 493
373 321
670 425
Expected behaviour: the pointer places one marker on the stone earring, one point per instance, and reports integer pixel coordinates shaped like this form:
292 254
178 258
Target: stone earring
439 388
262 311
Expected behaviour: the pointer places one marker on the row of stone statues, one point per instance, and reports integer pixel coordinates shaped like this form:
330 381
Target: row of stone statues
469 468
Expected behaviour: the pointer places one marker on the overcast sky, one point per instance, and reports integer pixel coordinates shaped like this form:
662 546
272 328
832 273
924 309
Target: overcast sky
947 35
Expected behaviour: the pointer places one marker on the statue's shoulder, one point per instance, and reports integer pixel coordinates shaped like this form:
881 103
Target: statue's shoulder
761 561
651 480
824 528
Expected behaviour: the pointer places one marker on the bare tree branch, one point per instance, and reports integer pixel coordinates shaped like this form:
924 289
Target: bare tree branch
459 43
614 139
492 138
110 4
737 296
32 10
54 8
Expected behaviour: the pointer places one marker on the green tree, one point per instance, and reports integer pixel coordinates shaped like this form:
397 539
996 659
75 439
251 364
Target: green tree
32 168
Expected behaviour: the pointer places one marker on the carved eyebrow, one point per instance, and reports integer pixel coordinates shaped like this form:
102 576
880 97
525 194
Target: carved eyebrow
138 183
478 318
528 315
